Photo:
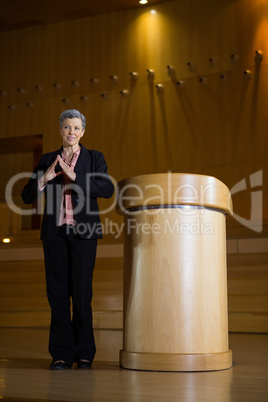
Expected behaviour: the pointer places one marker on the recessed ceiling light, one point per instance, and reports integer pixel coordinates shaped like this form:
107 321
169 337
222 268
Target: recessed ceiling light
143 1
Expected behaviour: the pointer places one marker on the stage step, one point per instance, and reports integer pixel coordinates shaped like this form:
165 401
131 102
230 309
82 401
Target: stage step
41 319
23 301
248 292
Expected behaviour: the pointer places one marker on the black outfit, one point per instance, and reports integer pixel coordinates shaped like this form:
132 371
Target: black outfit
70 251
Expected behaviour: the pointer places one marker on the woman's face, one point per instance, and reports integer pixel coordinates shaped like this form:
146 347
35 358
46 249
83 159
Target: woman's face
71 132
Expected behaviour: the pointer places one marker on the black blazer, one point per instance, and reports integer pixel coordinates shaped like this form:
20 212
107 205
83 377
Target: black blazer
92 181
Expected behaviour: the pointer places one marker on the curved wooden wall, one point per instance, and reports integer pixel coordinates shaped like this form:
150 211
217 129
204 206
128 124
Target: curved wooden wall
218 129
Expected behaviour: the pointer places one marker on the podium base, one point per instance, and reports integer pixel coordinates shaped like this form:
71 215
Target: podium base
176 361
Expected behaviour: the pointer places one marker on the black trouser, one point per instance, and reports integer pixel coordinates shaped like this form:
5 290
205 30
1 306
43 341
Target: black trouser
69 263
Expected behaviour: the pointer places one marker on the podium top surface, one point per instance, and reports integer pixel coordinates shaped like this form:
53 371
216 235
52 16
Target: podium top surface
169 189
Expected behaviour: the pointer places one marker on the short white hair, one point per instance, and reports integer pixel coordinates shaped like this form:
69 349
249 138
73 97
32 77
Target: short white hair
72 114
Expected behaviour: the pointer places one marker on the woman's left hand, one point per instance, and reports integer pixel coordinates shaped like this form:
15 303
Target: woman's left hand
66 169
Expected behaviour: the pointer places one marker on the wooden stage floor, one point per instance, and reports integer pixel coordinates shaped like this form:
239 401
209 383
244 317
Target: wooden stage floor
24 374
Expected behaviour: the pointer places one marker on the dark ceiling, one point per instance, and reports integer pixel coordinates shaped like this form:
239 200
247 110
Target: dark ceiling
16 14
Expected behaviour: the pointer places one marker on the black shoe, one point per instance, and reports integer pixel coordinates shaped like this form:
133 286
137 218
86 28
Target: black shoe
84 364
60 365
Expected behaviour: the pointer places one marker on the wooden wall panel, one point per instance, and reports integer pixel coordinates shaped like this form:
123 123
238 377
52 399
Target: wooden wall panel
218 129
11 165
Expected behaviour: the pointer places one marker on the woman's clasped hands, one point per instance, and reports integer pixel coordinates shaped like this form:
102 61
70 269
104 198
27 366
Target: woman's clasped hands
50 174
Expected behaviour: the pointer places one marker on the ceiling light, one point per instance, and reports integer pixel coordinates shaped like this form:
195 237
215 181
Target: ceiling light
143 1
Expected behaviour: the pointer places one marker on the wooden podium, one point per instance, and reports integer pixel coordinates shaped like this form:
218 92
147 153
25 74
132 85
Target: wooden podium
175 280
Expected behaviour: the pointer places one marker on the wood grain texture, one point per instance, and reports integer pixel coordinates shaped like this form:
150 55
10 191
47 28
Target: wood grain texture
175 286
176 362
173 189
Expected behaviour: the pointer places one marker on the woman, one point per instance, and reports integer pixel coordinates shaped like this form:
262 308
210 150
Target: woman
72 178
